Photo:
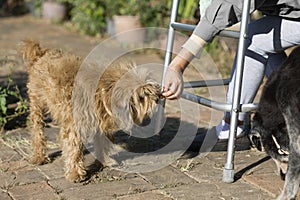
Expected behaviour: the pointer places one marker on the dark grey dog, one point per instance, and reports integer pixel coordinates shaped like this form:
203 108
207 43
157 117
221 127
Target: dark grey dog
276 124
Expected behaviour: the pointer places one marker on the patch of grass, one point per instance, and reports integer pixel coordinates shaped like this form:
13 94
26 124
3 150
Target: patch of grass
21 145
186 167
104 177
138 190
171 185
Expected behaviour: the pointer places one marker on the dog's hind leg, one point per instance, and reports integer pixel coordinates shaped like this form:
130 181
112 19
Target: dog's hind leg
72 151
292 179
39 142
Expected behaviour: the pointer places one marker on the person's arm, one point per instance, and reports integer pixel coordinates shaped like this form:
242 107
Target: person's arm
219 15
173 83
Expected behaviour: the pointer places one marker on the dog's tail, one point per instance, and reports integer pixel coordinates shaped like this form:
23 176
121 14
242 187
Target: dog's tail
31 51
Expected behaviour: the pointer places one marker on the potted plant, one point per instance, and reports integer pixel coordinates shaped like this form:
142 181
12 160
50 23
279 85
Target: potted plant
125 15
54 10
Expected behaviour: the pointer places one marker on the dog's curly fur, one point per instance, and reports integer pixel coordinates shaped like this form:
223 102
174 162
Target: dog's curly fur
276 124
50 89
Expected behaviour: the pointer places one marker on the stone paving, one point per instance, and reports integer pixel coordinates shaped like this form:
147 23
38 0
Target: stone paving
190 177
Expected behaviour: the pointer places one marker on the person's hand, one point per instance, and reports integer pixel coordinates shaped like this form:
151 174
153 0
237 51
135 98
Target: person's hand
173 81
173 84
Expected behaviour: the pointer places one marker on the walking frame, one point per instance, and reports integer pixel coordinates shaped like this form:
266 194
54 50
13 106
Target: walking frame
235 107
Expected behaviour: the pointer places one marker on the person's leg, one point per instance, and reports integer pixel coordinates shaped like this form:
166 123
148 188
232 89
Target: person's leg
274 61
268 37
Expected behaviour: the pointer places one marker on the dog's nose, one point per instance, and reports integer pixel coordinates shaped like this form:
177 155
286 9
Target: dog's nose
146 121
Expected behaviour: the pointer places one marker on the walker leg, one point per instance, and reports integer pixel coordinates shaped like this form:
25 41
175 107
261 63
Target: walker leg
228 173
168 56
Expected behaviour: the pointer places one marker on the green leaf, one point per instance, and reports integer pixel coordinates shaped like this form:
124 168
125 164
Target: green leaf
3 105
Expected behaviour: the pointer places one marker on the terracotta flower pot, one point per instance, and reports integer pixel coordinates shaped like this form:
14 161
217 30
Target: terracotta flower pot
54 11
121 24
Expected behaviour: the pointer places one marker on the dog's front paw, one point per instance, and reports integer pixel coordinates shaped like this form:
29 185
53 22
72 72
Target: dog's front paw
109 162
39 160
75 176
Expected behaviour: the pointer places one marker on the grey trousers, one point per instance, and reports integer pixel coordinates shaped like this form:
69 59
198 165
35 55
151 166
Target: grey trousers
268 37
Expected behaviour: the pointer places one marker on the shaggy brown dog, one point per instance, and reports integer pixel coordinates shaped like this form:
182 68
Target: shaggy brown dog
50 88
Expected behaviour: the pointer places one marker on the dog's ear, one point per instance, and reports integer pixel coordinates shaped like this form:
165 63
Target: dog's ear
255 132
255 139
142 102
31 51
